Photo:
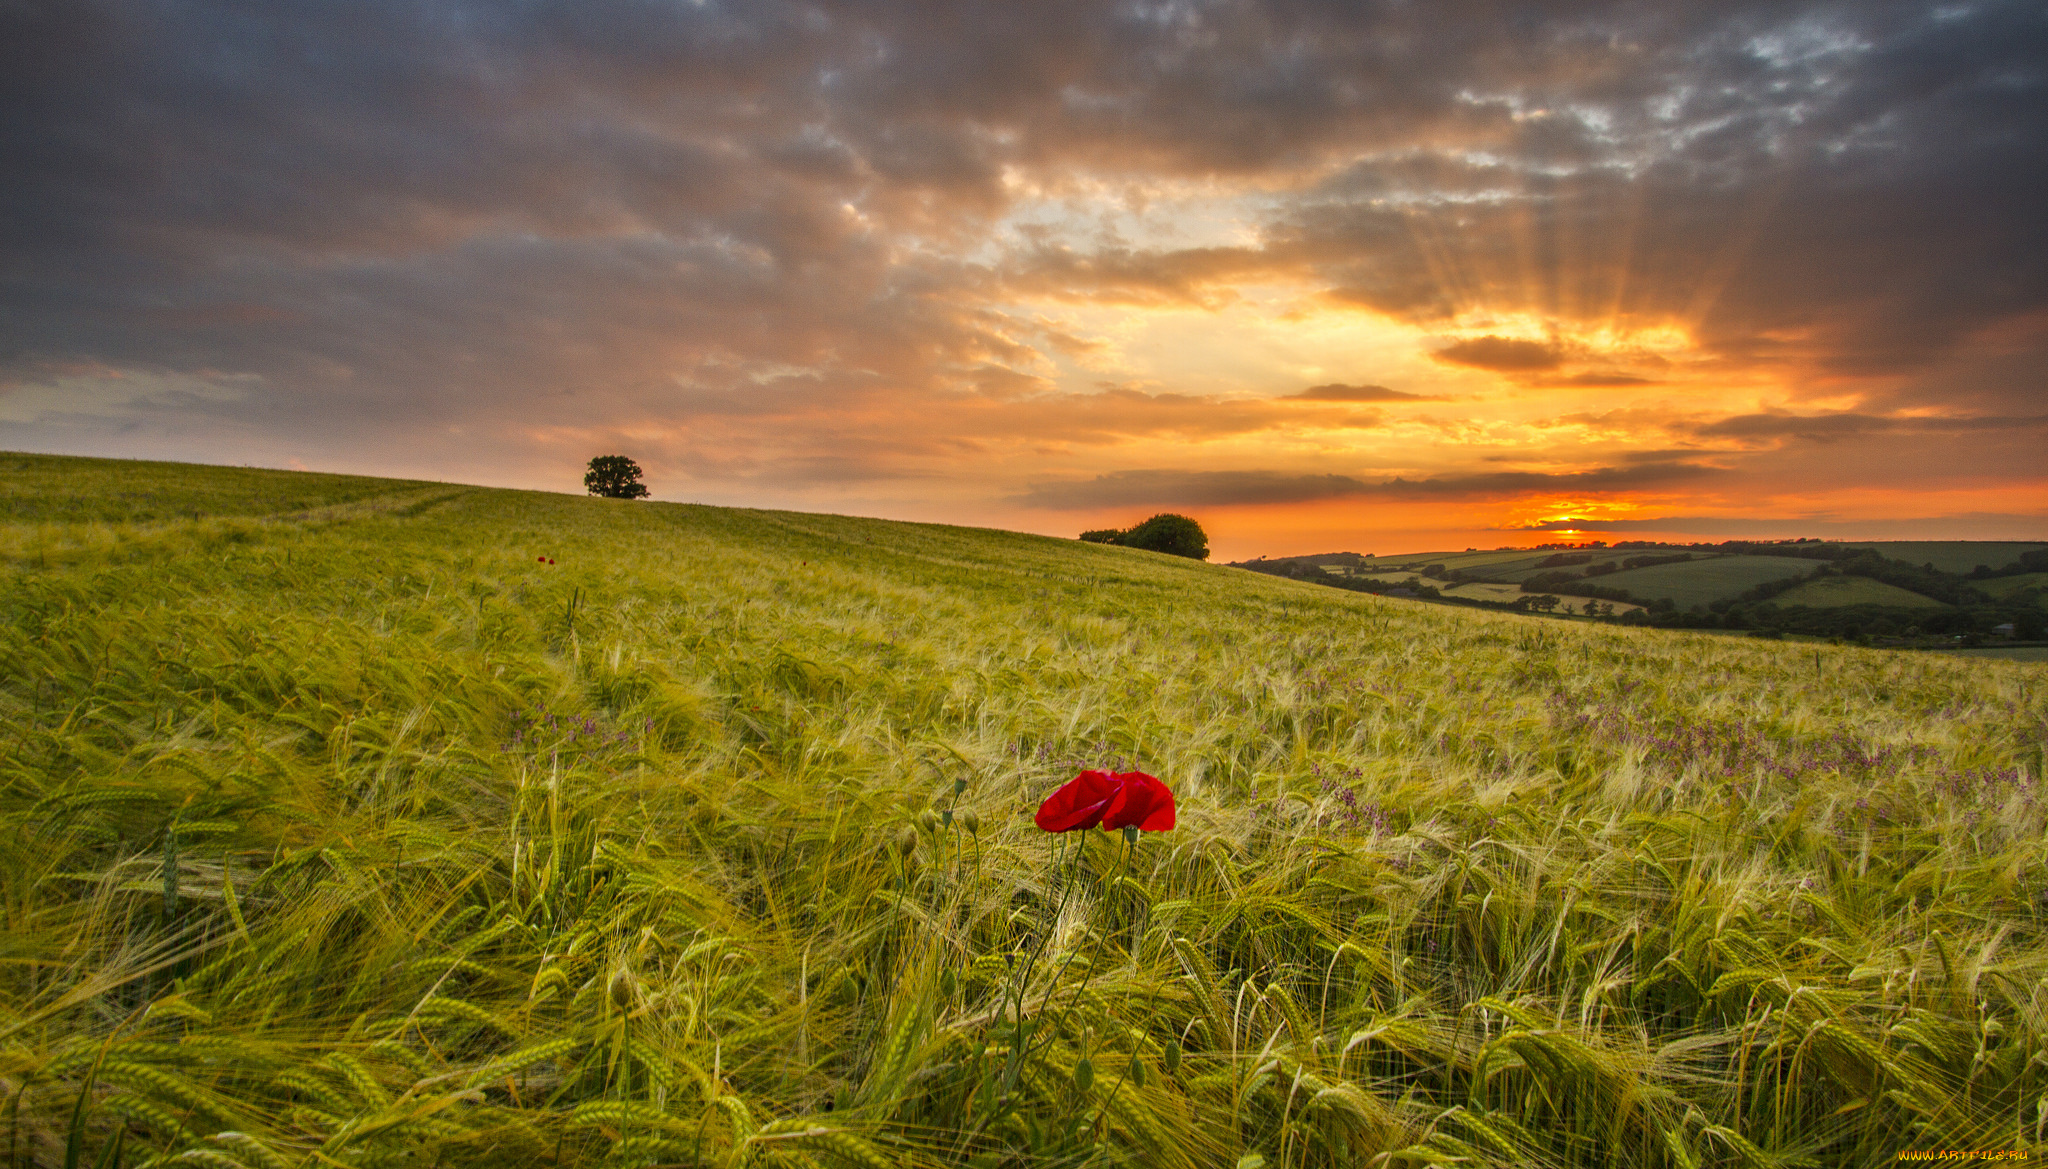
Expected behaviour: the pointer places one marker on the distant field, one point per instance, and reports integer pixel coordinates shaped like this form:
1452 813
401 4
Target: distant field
1701 582
1467 559
1836 591
1393 578
1957 556
1710 576
1523 568
1487 590
1999 586
1493 591
1503 566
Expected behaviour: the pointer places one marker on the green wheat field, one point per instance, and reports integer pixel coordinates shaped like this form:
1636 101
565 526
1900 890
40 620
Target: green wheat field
338 829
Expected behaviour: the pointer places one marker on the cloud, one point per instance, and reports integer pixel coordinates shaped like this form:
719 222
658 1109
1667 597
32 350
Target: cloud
110 393
1189 488
1338 392
1122 413
1597 379
1199 277
1834 427
1231 488
1502 354
1959 525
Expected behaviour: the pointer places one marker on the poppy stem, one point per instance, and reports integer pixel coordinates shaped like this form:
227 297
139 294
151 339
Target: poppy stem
1054 982
1019 1041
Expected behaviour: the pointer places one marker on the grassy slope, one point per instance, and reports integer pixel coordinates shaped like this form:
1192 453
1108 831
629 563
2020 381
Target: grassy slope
1835 591
2001 586
363 834
1473 560
1703 582
43 489
1487 591
1959 556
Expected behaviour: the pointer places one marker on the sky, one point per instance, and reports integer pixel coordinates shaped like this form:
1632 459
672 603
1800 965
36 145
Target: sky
1379 277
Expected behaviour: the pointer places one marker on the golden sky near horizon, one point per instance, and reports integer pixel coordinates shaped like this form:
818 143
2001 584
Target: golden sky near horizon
1369 277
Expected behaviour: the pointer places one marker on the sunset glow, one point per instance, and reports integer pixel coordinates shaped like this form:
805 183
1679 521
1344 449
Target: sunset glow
1423 278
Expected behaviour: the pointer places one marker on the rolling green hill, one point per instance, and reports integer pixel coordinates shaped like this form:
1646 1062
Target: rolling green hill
2006 586
1702 582
341 829
44 489
1710 574
1956 556
1836 591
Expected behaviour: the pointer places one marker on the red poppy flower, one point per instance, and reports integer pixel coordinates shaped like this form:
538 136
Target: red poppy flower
1124 799
542 559
1079 803
551 560
1141 802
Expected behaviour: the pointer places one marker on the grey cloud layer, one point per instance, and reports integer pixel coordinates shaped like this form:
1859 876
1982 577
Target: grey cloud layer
1848 424
398 219
1960 525
1220 488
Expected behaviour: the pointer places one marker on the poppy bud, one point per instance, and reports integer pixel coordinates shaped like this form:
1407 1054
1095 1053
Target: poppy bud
906 842
947 982
1137 1073
926 821
959 785
1172 1057
1084 1074
620 988
972 821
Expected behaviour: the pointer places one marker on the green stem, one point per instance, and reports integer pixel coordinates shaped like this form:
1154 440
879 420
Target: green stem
1130 847
1015 1064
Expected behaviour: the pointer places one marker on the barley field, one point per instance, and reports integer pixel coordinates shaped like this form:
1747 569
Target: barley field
342 828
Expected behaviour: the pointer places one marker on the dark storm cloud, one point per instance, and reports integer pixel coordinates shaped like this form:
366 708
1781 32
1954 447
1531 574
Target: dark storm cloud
1218 488
393 219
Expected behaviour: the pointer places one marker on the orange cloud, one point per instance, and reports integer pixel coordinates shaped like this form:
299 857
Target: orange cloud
1502 355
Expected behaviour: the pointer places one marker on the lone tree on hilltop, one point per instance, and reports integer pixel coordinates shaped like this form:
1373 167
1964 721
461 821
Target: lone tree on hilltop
614 477
1175 535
